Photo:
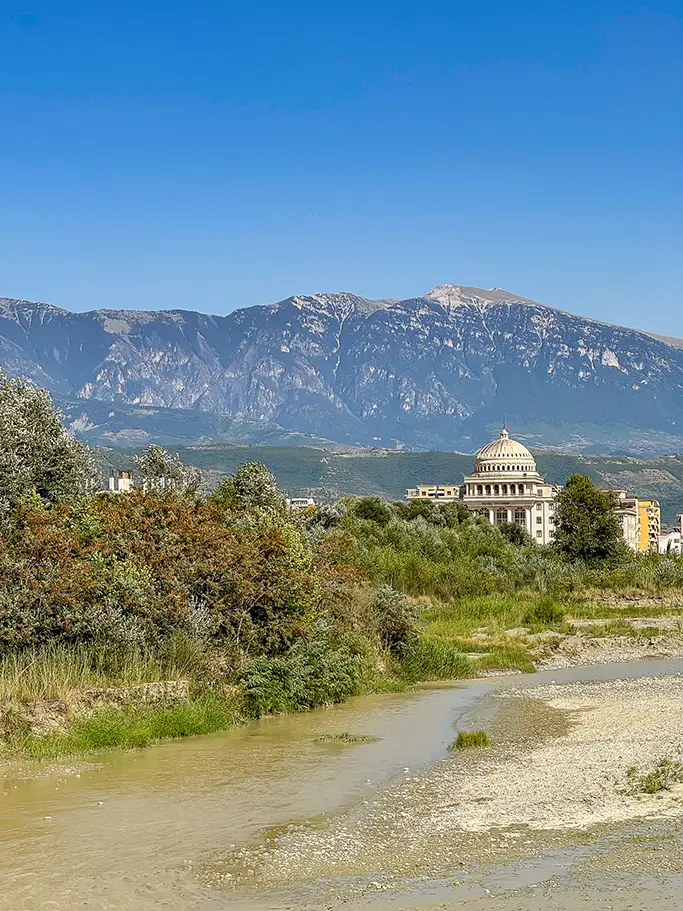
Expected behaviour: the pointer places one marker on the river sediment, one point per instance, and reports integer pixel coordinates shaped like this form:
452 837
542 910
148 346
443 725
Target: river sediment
555 778
285 813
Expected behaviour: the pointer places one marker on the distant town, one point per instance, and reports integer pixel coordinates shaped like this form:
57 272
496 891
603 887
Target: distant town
506 487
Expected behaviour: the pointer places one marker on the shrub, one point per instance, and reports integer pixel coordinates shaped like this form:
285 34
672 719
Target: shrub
150 565
251 488
545 613
665 774
313 672
396 618
514 533
372 509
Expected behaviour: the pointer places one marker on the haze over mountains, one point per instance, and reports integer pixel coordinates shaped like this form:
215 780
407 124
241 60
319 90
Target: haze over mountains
438 371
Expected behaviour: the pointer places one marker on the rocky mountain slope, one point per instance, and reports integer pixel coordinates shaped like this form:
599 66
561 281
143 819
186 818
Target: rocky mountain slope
438 371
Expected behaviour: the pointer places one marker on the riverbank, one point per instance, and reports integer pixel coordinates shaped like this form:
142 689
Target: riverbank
324 821
566 769
61 702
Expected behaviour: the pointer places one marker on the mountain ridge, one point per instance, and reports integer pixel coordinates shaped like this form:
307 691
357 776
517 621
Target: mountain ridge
436 371
502 295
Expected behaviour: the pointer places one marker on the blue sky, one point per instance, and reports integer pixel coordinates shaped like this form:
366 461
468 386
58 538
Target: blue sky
210 155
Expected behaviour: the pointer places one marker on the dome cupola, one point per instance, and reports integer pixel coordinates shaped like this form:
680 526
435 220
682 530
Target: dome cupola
505 456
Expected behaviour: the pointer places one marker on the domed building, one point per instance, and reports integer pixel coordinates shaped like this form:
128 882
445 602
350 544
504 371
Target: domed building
505 486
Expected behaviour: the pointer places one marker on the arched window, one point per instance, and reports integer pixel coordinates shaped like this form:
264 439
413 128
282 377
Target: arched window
496 490
501 516
480 490
488 490
505 490
520 517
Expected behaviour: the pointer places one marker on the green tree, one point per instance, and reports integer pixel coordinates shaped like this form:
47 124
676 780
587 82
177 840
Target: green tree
587 526
38 456
514 533
454 513
160 471
251 488
374 509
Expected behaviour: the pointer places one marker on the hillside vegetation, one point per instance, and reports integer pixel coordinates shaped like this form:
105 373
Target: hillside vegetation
327 475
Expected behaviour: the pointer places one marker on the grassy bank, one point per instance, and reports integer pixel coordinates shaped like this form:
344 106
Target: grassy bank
129 728
57 701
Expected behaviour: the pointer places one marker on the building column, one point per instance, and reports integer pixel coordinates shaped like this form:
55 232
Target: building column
527 518
509 517
492 516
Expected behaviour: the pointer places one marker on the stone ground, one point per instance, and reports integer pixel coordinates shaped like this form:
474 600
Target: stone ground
551 786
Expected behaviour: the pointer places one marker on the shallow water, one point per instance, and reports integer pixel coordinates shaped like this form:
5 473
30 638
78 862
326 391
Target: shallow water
129 830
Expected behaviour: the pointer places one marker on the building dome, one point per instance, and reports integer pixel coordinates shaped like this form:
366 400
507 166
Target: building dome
505 456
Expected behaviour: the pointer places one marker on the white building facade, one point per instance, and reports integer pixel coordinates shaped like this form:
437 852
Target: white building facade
505 486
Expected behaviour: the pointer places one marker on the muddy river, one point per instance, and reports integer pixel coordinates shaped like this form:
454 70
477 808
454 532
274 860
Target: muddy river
256 818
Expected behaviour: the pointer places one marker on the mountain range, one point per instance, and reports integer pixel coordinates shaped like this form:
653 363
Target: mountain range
434 372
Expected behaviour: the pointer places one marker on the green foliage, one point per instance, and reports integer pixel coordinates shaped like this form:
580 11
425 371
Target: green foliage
396 618
587 527
313 672
544 612
37 454
506 658
372 509
515 534
252 488
665 774
419 558
132 727
430 658
162 472
467 739
145 565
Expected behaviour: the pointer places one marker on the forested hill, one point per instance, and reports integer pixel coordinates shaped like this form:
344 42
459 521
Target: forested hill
326 474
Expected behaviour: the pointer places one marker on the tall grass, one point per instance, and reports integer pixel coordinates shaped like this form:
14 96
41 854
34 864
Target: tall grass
467 739
506 658
431 658
55 672
499 612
